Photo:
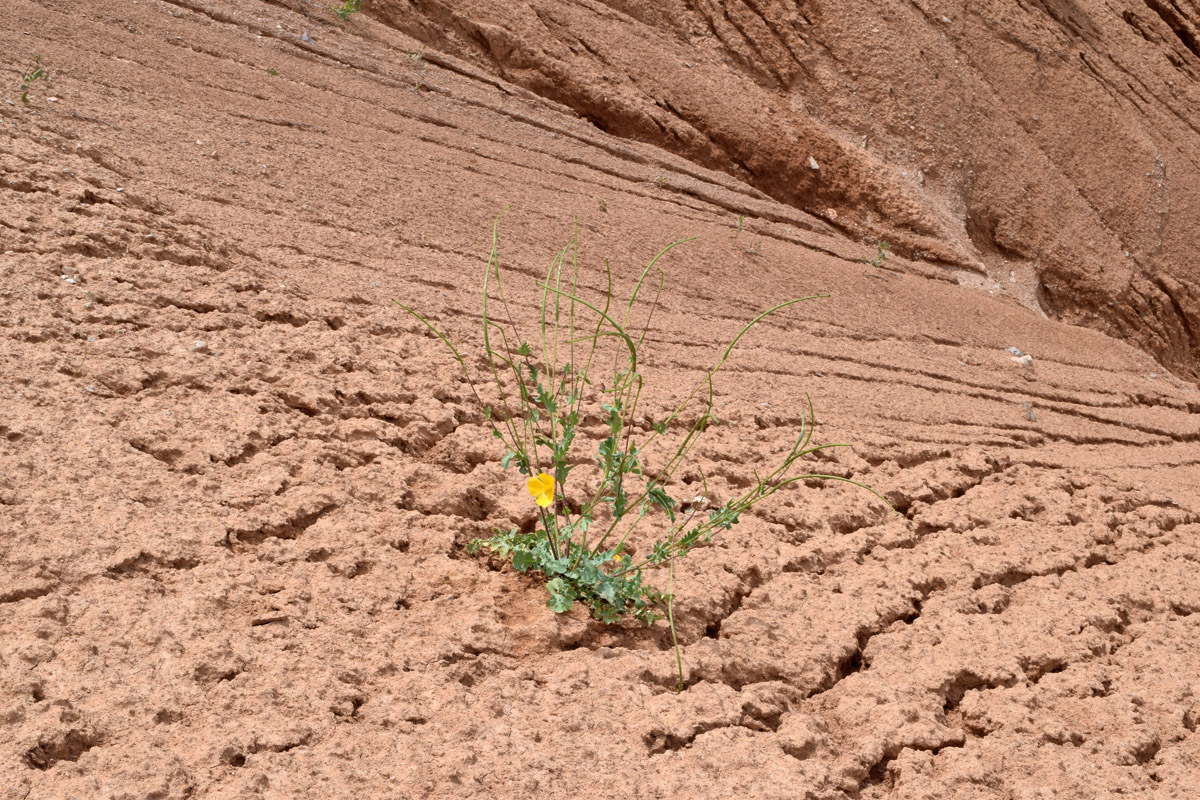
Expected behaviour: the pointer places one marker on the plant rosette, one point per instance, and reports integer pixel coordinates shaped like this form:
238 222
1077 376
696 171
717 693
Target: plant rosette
540 387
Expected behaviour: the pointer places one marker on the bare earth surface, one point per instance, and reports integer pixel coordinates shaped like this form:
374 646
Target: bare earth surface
236 484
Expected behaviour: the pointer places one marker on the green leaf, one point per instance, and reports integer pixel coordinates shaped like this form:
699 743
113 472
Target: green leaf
659 497
608 592
524 349
508 457
620 502
724 517
660 553
561 597
546 399
556 566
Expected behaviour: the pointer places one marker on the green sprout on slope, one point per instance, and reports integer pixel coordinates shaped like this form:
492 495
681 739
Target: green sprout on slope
881 255
347 8
418 58
30 76
593 491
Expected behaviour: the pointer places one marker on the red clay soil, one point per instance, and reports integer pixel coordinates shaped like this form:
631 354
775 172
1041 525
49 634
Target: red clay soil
1053 144
236 483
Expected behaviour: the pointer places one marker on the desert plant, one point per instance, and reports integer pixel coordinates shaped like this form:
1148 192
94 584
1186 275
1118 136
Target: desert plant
881 255
347 8
418 57
30 76
542 389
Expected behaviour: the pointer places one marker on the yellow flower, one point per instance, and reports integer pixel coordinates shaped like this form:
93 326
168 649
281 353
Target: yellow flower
542 489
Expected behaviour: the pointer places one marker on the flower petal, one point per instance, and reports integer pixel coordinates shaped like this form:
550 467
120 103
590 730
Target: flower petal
542 488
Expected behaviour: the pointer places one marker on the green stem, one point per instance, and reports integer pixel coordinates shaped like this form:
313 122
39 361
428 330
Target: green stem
671 620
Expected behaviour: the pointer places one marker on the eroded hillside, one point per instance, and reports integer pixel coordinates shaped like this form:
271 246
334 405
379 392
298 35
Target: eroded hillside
236 484
1052 147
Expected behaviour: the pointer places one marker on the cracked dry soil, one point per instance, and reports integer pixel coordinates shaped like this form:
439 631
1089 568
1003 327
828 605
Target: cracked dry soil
236 484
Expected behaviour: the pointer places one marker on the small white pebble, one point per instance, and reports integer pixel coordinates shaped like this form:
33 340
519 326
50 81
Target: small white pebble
812 163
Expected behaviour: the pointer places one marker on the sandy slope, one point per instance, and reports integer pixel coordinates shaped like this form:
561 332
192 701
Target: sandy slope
1049 147
236 485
